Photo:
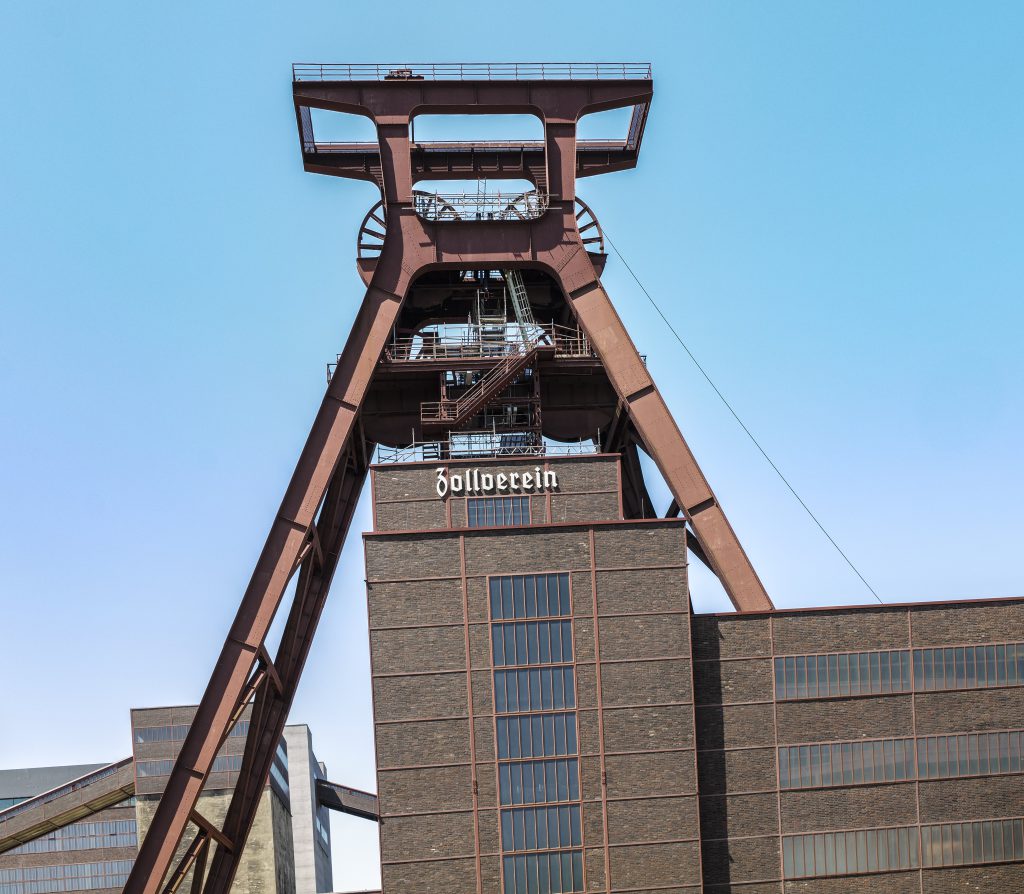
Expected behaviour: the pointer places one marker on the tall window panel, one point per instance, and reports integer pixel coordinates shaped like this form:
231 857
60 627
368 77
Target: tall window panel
495 512
535 701
900 670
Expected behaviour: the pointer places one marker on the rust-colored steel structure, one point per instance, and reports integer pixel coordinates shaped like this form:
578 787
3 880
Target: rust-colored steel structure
429 260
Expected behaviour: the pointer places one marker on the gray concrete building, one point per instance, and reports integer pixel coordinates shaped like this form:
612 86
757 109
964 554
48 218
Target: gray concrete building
311 828
79 827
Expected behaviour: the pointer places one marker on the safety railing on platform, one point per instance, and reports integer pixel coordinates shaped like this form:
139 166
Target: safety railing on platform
483 445
309 144
471 71
468 342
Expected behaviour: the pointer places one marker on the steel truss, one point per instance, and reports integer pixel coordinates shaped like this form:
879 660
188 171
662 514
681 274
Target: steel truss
309 531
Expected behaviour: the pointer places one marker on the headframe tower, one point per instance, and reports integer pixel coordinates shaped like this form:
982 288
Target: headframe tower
484 331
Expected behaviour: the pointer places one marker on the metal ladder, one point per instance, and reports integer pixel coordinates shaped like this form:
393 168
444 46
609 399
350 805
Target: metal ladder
520 304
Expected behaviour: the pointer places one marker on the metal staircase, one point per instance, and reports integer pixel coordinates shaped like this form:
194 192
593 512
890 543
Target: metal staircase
451 414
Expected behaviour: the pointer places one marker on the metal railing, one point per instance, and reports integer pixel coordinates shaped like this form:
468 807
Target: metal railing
479 444
471 71
330 148
480 206
60 791
474 342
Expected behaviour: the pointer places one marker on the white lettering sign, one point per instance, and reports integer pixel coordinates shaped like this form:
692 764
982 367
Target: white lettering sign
473 481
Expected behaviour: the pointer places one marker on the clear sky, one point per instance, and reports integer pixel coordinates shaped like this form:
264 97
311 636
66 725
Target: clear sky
829 206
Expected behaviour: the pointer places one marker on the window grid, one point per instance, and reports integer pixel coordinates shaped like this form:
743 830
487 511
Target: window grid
145 735
539 782
854 852
530 596
945 668
549 872
541 828
862 851
537 744
493 512
534 689
83 836
226 763
525 643
962 844
71 877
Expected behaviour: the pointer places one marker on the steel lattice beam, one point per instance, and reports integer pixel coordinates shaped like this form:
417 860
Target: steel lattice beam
309 531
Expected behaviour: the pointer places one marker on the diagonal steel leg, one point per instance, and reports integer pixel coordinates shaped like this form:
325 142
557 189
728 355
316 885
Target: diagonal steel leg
272 703
281 557
664 441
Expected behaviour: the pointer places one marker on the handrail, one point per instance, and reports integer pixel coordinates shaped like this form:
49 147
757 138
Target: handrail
453 410
466 342
478 443
471 71
61 790
312 145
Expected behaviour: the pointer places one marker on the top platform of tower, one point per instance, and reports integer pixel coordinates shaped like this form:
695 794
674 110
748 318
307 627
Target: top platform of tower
391 95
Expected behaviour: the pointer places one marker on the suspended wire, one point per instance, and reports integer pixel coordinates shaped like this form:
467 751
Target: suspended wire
735 416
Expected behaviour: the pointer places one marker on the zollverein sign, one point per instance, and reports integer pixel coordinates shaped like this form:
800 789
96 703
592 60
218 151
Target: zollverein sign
473 481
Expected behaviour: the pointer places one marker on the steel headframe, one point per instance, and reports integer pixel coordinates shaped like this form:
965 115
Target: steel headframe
308 533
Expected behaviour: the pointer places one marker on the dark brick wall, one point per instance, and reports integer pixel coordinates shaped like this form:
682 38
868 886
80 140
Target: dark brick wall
405 496
739 726
638 765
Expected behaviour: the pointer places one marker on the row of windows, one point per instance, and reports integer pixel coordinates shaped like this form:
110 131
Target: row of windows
873 673
83 836
846 763
539 782
536 735
145 735
958 844
226 763
532 642
820 676
530 596
887 850
850 853
10 802
541 828
893 760
969 667
72 877
544 873
490 512
536 689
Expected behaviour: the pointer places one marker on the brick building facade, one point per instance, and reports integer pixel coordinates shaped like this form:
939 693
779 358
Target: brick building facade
550 715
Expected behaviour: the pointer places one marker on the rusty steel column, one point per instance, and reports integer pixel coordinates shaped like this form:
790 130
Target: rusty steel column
291 535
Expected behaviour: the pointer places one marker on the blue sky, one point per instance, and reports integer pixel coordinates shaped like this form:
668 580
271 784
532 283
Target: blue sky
828 206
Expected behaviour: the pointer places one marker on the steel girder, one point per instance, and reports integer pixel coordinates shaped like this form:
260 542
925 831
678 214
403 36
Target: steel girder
332 465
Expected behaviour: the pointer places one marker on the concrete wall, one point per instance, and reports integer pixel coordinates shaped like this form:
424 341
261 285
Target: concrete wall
312 858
